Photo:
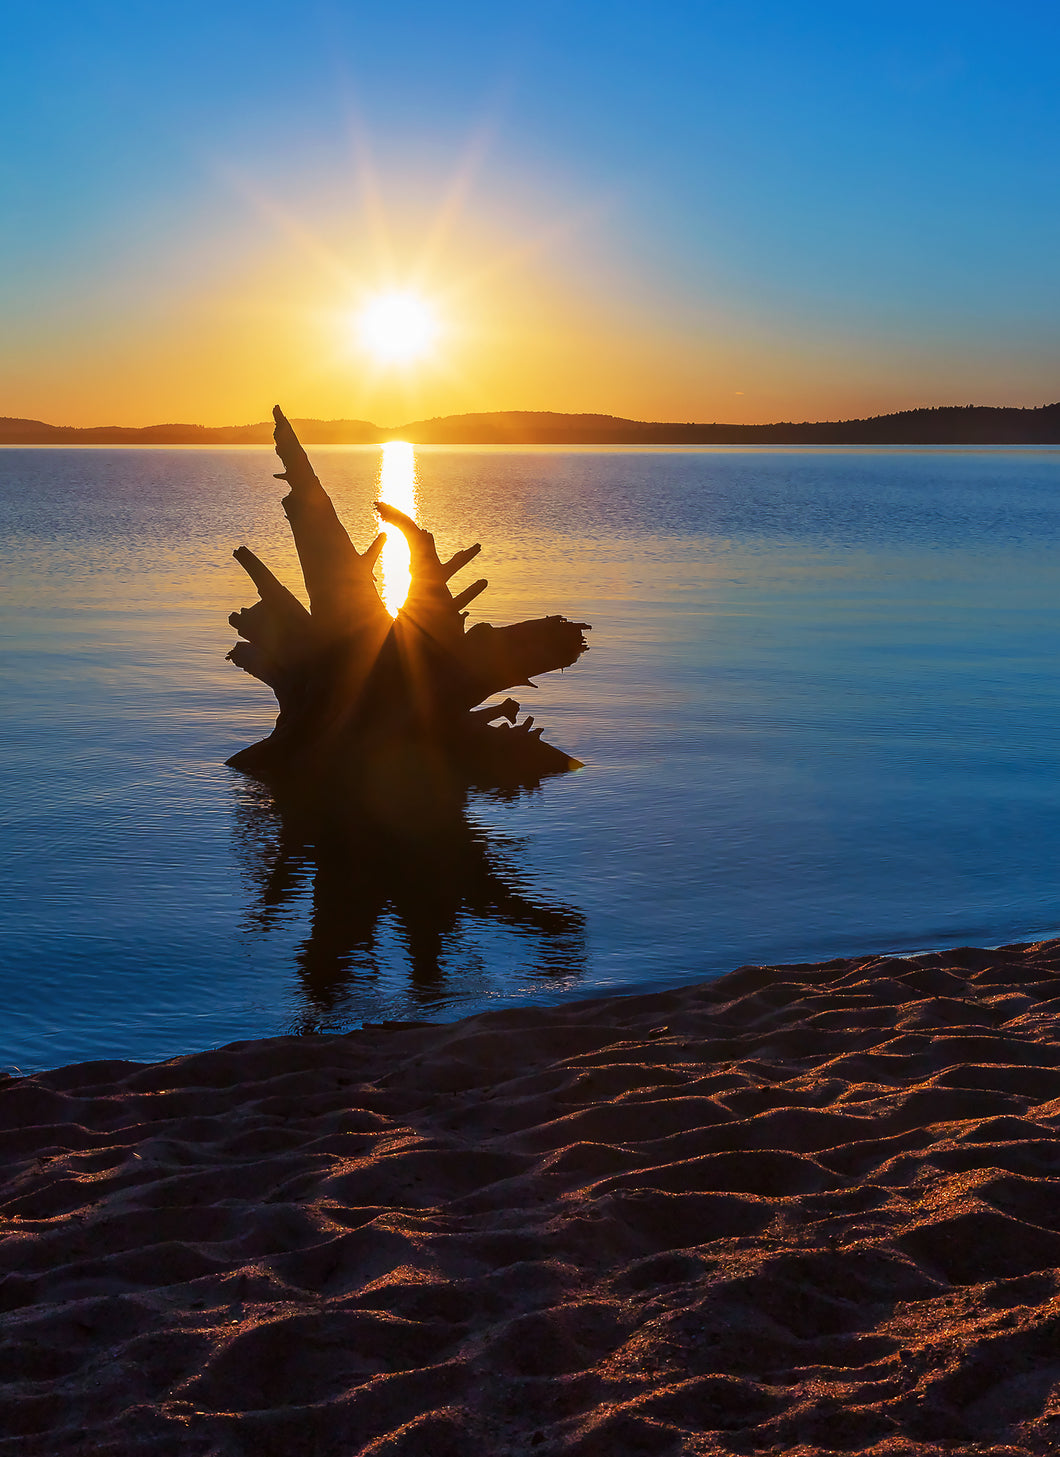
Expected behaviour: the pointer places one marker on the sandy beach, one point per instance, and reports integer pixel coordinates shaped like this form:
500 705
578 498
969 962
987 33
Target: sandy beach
801 1209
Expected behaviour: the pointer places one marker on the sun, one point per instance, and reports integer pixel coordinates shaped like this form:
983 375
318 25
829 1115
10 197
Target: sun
397 328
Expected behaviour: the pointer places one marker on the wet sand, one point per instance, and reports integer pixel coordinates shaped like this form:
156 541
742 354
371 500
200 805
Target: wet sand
801 1209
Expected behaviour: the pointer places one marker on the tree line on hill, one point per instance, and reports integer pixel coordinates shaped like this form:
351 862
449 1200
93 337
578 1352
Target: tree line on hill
940 425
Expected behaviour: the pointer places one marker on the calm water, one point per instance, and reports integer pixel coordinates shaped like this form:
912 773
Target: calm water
819 717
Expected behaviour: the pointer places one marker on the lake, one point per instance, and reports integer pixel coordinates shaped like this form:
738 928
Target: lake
819 717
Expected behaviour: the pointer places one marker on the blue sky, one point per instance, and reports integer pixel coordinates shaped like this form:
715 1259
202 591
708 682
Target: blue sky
670 211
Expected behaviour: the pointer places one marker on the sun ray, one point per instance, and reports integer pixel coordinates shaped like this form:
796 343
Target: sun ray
285 222
371 194
396 365
560 228
453 202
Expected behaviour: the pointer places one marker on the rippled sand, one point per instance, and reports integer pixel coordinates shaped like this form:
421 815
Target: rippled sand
801 1209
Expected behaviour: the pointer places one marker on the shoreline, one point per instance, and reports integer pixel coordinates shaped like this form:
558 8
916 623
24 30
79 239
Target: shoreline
452 1014
807 1208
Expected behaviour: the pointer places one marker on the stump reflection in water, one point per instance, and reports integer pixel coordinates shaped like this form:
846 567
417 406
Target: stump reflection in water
439 889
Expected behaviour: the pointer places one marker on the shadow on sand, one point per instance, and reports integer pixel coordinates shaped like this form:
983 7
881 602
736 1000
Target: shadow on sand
432 883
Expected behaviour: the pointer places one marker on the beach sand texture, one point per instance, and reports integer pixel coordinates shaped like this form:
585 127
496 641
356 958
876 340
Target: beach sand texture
801 1209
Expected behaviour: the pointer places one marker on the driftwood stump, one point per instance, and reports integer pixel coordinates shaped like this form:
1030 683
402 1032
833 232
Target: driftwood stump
387 707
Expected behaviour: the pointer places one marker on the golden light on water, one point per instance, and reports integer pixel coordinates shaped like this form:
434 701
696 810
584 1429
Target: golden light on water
397 487
397 327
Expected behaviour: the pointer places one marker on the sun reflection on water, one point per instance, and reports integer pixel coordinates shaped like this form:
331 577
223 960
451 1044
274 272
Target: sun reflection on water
397 487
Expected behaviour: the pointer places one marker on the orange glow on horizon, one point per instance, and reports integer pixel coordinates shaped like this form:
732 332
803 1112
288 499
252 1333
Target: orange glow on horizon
490 305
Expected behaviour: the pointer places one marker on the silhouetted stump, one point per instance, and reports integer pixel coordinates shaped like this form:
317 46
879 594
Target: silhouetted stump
387 707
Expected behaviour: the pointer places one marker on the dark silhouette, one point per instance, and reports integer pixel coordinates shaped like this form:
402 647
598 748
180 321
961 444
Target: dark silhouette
941 425
431 878
383 710
377 742
949 425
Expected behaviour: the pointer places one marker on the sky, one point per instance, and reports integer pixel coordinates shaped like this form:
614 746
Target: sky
702 211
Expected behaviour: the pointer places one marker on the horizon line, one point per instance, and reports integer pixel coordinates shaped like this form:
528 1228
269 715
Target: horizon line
546 414
921 425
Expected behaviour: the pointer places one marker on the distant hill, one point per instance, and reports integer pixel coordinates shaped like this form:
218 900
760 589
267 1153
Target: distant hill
945 425
942 425
312 432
